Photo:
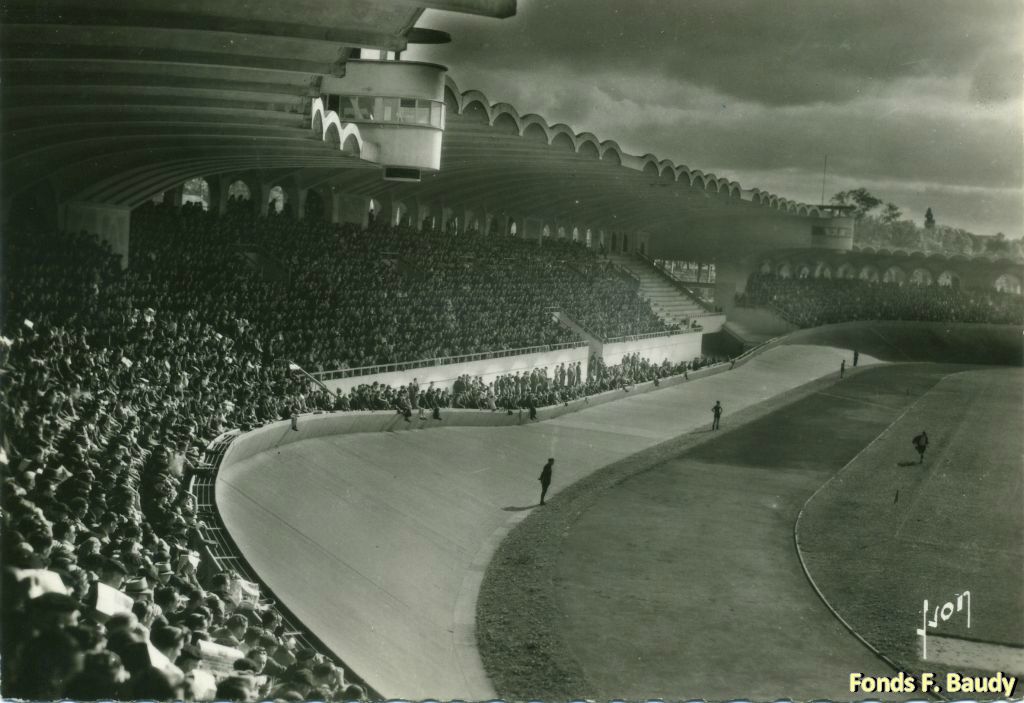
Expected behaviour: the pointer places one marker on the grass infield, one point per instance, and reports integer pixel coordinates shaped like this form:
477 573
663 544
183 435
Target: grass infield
887 533
522 627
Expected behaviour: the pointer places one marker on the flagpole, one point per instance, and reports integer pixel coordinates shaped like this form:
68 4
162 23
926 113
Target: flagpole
295 367
823 172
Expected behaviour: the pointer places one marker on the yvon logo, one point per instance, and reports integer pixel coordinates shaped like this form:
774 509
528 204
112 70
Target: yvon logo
942 613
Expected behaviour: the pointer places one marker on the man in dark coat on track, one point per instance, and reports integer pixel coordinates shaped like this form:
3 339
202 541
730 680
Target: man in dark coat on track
716 410
921 444
545 478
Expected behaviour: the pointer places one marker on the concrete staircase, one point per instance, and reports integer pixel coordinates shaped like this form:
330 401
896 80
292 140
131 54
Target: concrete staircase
668 302
752 326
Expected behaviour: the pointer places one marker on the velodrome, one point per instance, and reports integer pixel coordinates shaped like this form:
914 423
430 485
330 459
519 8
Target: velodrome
291 324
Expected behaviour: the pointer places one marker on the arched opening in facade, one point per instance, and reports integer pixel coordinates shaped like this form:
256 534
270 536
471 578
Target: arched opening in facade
513 229
475 112
921 277
1008 283
278 200
784 270
351 146
894 274
561 232
505 124
869 273
590 238
766 267
333 136
563 142
822 270
575 234
846 271
948 278
546 231
239 190
535 133
196 190
803 272
588 148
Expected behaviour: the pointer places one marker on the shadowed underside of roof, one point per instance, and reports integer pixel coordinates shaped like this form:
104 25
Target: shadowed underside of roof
95 90
111 103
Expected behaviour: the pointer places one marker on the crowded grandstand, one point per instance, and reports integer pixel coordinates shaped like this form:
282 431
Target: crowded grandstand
118 379
144 332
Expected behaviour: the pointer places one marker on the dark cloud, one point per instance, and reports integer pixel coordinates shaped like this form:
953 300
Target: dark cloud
778 53
918 94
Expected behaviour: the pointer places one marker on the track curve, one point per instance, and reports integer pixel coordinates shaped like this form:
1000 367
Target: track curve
377 541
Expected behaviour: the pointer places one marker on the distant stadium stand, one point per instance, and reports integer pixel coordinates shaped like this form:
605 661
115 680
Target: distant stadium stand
809 302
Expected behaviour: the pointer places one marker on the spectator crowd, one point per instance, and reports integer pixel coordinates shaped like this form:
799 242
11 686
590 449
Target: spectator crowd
110 588
335 296
116 380
809 302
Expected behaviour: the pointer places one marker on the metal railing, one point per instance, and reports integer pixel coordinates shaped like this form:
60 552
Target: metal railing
440 361
680 285
651 335
228 556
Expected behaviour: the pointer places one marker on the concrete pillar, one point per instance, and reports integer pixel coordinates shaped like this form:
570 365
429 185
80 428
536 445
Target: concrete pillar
400 213
353 209
111 222
446 214
389 209
485 223
263 201
173 196
417 211
471 218
333 207
218 193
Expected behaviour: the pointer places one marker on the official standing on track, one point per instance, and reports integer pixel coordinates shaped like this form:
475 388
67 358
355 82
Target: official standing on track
921 444
545 478
716 410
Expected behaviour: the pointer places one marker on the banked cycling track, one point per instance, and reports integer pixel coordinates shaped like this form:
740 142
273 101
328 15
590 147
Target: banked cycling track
378 540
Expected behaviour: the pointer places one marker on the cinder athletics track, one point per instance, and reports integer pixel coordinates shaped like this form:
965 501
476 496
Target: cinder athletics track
378 541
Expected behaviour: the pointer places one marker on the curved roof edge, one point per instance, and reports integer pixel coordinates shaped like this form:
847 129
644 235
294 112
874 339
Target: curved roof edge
609 149
934 255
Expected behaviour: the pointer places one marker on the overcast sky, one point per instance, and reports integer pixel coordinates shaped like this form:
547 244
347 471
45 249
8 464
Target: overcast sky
919 101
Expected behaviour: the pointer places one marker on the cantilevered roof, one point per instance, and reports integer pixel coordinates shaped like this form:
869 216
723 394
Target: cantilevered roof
497 161
112 102
93 90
